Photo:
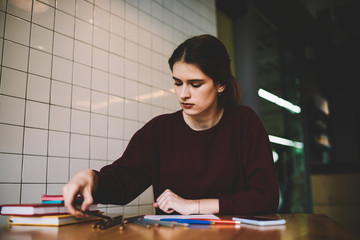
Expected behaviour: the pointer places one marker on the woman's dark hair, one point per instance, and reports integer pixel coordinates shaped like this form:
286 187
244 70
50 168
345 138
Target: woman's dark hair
209 54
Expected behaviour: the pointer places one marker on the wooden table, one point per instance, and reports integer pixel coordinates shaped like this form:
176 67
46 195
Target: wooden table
298 226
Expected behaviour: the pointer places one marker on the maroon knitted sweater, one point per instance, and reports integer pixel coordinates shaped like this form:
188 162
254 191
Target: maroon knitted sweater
231 161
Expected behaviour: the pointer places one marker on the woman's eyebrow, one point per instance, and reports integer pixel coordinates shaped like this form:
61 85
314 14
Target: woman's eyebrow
190 80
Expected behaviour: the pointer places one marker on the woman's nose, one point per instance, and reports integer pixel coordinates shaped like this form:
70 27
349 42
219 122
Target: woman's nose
185 93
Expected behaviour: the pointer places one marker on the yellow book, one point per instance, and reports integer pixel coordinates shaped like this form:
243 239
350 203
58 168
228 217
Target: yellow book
51 220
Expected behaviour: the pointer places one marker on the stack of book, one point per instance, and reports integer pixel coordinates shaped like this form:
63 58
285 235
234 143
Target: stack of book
50 212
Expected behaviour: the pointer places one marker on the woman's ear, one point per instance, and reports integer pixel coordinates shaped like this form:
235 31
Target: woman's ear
221 89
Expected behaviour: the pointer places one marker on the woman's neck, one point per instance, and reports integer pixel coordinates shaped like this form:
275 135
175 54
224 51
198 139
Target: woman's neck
199 123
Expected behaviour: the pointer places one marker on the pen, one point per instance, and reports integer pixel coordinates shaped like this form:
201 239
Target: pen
96 214
218 221
166 223
188 221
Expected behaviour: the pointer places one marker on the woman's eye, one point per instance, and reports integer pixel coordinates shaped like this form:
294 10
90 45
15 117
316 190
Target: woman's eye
178 83
196 85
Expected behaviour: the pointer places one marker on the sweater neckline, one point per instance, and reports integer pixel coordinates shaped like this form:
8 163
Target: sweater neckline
189 129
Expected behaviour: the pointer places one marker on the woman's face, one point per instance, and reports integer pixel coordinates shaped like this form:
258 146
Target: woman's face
196 92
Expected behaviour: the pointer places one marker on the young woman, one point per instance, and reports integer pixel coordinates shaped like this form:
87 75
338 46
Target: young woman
211 157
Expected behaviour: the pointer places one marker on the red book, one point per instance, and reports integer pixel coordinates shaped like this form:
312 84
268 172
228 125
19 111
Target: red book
36 209
58 199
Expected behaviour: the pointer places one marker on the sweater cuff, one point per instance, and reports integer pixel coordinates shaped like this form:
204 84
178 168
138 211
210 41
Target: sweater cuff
97 194
225 204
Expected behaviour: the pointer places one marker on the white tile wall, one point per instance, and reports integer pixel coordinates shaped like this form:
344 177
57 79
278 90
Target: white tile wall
78 79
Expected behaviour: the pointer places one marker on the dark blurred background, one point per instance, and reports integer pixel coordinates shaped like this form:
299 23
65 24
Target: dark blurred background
307 53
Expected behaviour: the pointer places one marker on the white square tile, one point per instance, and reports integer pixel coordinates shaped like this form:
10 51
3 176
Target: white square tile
84 10
158 97
80 146
81 98
60 93
34 169
132 32
156 43
38 88
130 127
116 128
99 102
117 8
35 141
15 56
30 192
13 82
41 38
131 13
117 45
144 112
59 118
12 110
80 121
131 50
76 165
67 6
82 75
131 89
116 85
37 115
43 15
11 168
145 5
97 164
54 189
83 31
104 4
157 78
82 53
63 46
100 59
58 170
64 23
117 25
146 209
115 149
115 210
144 56
101 38
117 65
59 144
131 70
131 110
98 148
23 11
156 26
156 10
99 125
101 18
145 74
147 197
40 63
17 30
99 80
145 94
116 106
145 23
157 61
12 193
131 210
11 139
62 69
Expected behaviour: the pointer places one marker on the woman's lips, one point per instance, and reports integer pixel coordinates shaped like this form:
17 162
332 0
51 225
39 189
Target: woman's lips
187 105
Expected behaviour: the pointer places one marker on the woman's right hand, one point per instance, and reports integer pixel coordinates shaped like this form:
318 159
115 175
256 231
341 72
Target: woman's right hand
83 183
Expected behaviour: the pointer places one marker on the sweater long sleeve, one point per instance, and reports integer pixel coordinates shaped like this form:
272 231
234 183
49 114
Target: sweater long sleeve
231 161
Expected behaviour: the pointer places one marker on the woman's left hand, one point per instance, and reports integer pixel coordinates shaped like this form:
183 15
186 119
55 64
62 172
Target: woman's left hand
170 202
